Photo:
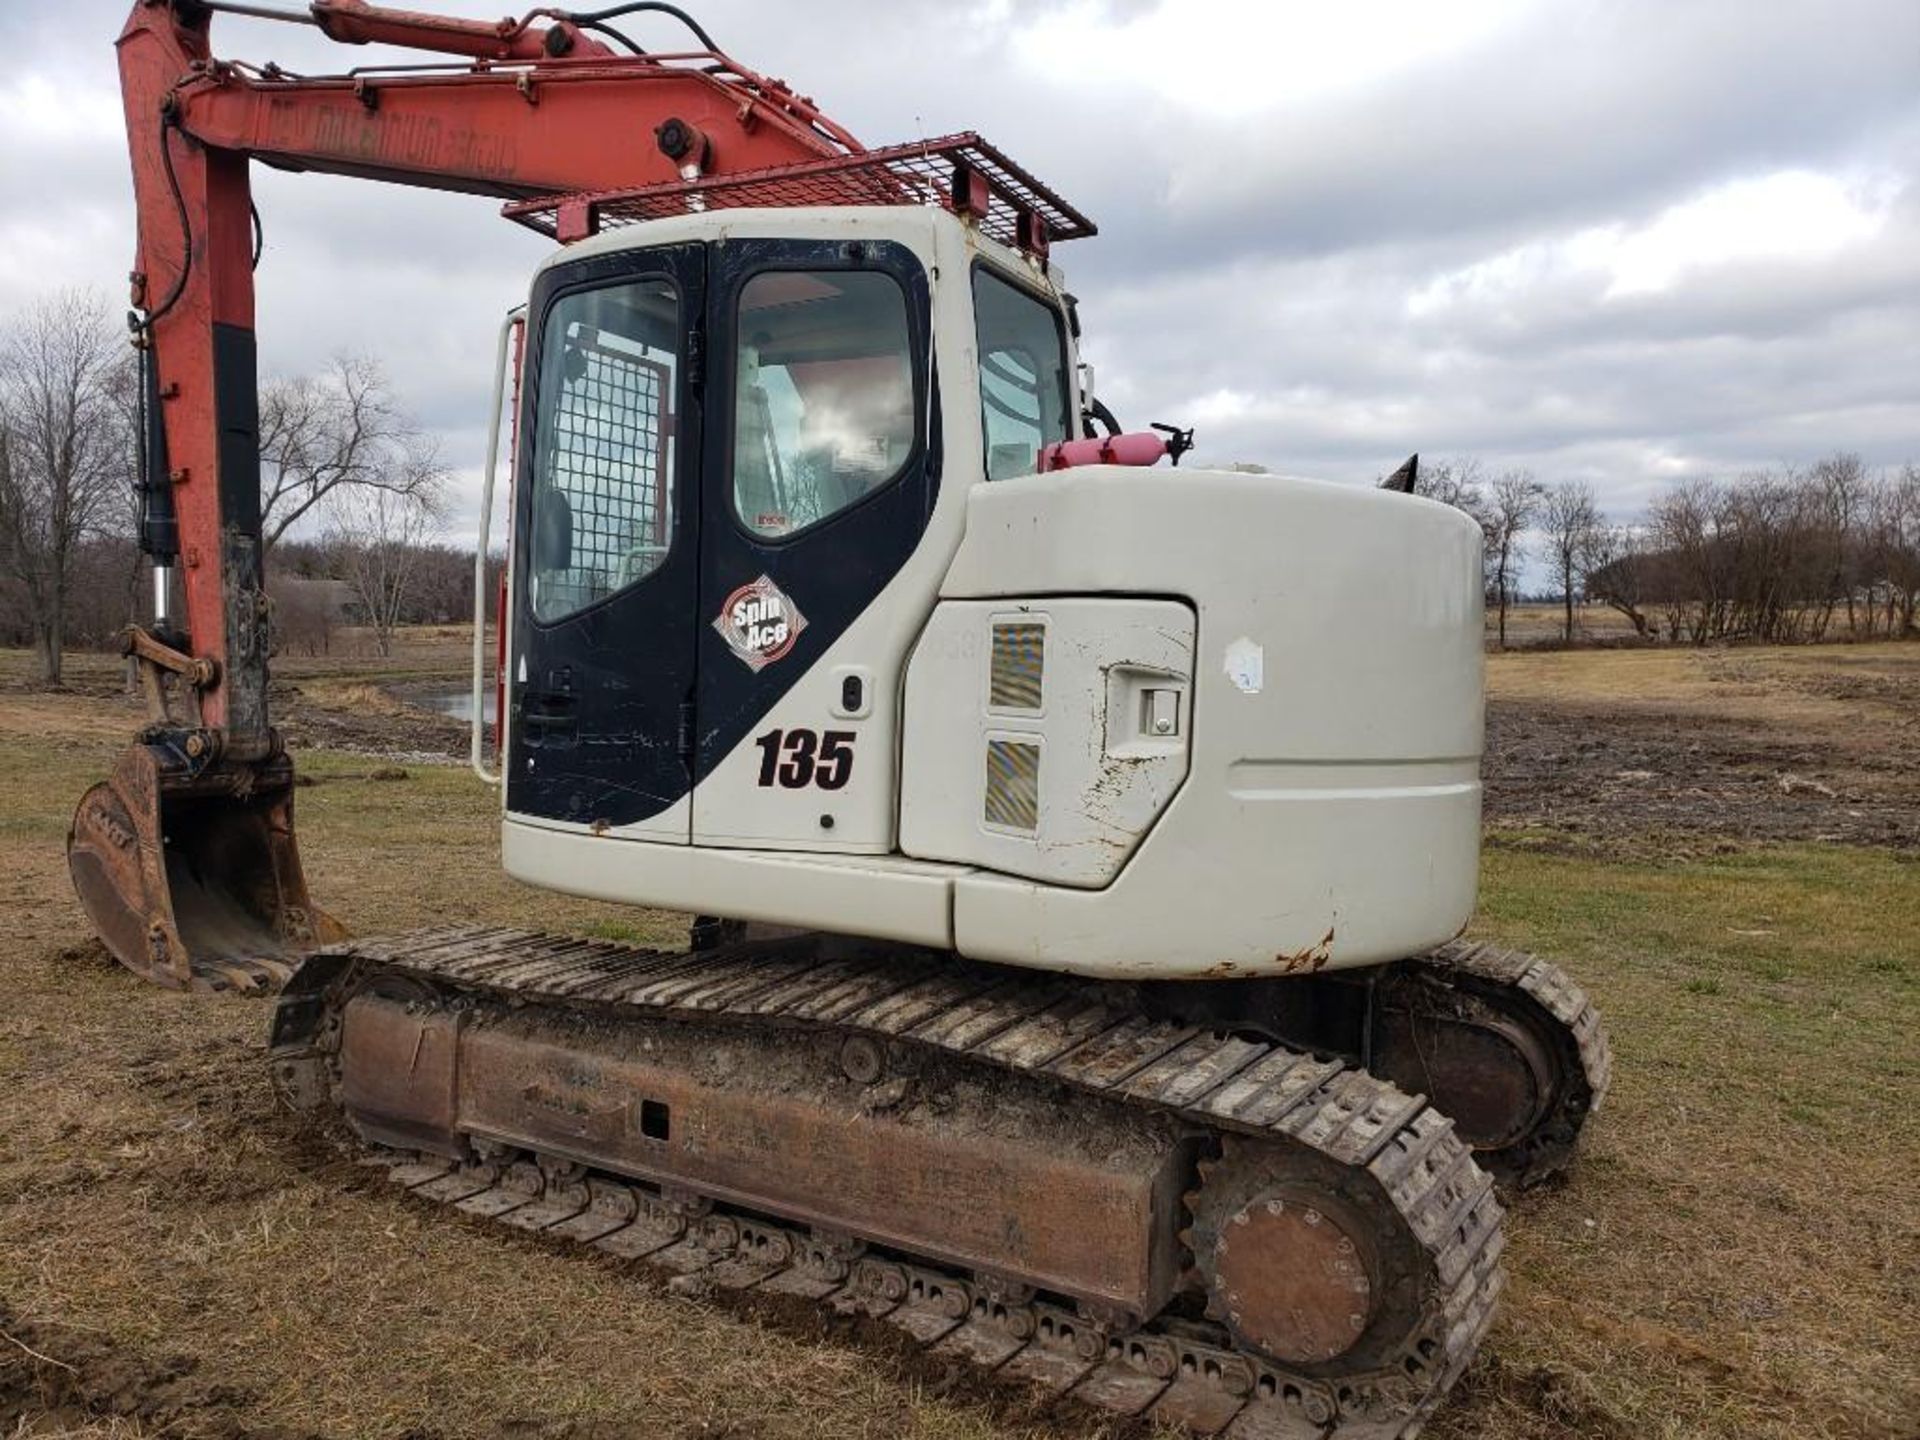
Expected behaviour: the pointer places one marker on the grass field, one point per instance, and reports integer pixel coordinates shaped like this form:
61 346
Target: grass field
1736 1255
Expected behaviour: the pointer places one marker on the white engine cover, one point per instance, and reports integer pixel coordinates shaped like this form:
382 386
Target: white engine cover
1331 811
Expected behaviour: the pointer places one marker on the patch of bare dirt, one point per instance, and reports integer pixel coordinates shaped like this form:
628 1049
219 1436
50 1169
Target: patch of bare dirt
57 1380
1629 774
364 719
328 714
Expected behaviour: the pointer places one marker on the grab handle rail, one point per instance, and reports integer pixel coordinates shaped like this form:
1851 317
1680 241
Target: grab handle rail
477 723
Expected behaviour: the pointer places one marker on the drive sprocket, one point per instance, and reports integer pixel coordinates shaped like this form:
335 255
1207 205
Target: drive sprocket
1309 1265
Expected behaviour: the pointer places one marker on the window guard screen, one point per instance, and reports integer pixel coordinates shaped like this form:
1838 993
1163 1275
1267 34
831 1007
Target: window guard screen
603 473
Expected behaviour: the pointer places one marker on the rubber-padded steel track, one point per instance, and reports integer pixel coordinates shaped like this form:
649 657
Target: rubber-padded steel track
1077 1034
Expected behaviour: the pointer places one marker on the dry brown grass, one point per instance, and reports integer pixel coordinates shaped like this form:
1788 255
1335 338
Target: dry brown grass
1738 1254
418 650
1546 625
1832 685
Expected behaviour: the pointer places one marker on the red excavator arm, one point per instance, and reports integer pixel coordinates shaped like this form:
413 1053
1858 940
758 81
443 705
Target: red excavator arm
541 109
185 859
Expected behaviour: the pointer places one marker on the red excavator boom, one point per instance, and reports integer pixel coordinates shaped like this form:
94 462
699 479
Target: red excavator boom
542 110
185 859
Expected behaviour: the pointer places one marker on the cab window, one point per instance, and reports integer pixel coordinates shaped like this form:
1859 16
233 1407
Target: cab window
823 395
1023 375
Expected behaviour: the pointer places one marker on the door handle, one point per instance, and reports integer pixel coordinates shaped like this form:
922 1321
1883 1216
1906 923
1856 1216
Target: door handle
550 717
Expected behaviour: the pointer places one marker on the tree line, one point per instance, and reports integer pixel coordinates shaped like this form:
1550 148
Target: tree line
341 461
353 495
1781 556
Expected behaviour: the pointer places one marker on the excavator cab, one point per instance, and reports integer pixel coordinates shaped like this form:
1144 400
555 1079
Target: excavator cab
819 616
725 458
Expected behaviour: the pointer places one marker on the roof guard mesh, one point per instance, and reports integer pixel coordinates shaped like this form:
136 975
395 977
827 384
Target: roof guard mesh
960 173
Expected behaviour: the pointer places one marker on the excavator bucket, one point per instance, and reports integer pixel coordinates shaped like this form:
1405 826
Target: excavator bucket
189 871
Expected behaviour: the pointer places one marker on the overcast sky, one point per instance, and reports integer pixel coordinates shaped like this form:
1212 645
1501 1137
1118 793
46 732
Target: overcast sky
1615 241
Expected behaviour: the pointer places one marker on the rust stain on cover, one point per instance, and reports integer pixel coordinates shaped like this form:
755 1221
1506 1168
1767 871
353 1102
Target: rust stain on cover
1305 962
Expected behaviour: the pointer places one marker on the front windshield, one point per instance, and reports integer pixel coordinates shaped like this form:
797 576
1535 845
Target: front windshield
823 395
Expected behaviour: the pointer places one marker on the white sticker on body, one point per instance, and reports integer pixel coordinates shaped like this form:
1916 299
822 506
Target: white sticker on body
1246 665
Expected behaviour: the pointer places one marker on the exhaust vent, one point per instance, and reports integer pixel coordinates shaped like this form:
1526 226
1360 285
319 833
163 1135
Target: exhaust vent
1013 784
1019 665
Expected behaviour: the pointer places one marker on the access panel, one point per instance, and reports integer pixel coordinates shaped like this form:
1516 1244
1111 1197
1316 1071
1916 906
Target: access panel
1044 737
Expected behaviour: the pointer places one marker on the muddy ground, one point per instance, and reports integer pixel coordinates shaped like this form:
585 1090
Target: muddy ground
1651 780
1673 753
1722 847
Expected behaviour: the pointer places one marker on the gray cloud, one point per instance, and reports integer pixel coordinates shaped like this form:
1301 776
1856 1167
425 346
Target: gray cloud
1581 108
1322 282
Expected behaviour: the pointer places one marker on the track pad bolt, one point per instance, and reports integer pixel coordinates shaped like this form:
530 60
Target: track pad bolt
888 1282
1090 1343
523 1177
1157 1358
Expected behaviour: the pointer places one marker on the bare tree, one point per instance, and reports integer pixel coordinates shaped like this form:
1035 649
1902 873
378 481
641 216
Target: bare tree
1844 491
64 453
1512 500
1683 523
1776 554
1894 557
1570 519
305 612
321 435
1621 573
1462 484
1459 483
377 537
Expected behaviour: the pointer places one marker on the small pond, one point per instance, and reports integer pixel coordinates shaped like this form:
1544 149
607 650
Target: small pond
455 701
